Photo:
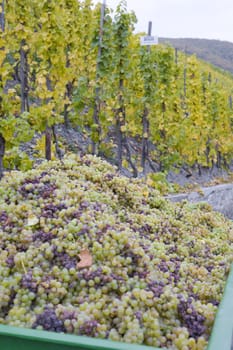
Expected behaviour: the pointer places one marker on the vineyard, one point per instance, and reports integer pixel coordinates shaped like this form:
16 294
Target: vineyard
68 62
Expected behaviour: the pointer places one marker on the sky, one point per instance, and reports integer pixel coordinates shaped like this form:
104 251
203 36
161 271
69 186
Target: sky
205 19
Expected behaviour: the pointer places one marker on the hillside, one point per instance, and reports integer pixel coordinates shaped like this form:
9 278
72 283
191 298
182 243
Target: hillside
219 53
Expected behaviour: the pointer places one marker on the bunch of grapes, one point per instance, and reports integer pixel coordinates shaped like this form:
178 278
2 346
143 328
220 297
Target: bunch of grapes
156 271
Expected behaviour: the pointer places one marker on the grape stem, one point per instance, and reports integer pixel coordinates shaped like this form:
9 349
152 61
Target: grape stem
24 269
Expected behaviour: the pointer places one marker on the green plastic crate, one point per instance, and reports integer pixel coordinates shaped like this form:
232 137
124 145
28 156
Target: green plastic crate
222 332
14 338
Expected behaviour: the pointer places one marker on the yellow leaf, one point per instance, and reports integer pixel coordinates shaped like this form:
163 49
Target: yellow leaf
123 128
32 220
41 80
18 27
125 163
25 47
11 91
145 194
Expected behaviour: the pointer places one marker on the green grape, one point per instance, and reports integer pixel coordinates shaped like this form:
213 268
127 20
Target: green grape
155 279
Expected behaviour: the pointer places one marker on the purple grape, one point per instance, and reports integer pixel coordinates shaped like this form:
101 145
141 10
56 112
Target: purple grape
28 282
156 287
49 321
88 328
42 236
193 321
63 259
10 261
50 210
4 219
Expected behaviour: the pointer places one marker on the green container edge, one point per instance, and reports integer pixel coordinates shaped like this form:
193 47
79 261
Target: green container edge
16 338
38 339
222 333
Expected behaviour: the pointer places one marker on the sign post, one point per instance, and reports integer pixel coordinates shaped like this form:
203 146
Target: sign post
149 39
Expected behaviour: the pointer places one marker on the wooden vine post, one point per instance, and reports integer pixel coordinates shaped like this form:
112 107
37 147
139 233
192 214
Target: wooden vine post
24 76
2 140
147 41
96 111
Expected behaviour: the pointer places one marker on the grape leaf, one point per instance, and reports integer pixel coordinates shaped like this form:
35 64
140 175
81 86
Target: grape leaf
32 220
85 259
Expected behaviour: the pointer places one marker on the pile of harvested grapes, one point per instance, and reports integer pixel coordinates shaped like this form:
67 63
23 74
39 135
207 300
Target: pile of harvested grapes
84 250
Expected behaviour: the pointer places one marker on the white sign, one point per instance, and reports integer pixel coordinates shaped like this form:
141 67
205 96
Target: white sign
149 40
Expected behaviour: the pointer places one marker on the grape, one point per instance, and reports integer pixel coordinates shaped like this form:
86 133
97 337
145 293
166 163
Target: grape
42 236
190 318
28 282
49 321
158 269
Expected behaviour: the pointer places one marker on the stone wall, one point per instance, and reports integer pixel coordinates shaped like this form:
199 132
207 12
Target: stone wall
220 197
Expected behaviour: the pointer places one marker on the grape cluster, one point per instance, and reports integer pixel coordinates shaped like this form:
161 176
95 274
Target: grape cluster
61 258
158 269
50 210
28 282
44 189
3 217
190 318
42 236
49 321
